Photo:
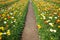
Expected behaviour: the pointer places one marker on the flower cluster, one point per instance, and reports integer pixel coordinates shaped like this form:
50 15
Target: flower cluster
48 17
5 1
10 18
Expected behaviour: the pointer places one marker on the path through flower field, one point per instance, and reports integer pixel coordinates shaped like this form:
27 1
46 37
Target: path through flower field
30 30
29 19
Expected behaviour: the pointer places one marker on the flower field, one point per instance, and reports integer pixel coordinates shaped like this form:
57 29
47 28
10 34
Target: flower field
4 3
47 14
12 18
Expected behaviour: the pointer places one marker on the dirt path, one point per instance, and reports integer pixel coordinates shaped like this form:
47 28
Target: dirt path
30 30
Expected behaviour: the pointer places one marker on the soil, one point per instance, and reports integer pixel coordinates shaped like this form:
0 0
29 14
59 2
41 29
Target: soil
30 31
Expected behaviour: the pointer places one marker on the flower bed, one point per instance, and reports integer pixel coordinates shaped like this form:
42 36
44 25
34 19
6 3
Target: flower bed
4 3
12 20
48 19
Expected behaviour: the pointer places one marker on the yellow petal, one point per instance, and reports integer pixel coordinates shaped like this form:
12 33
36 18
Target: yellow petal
2 28
8 32
58 26
5 18
39 26
0 33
